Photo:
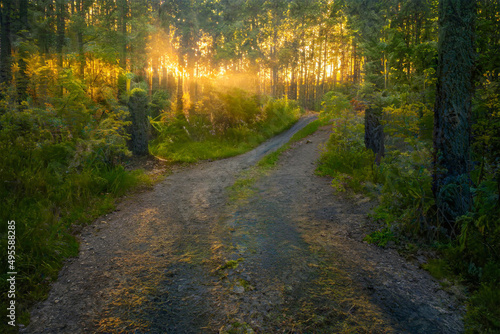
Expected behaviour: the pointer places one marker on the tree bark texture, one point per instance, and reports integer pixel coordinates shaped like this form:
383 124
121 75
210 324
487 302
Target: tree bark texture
5 42
180 95
138 104
123 26
452 110
374 133
22 78
61 27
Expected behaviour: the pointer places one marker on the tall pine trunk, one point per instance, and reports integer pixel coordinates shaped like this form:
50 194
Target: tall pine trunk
22 78
123 28
452 111
5 42
61 26
79 38
138 105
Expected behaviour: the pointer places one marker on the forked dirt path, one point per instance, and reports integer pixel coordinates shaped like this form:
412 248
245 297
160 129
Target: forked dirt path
285 257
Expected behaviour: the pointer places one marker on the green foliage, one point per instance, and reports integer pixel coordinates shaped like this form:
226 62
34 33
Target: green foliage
222 124
380 238
408 121
477 253
479 239
402 185
402 180
483 309
486 130
334 104
60 168
406 197
346 159
160 103
438 268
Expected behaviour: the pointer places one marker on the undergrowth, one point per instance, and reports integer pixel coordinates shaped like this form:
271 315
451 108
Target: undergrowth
60 169
401 184
221 125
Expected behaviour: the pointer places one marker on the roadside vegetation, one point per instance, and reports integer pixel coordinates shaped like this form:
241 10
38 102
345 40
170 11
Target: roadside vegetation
222 124
61 168
420 135
401 186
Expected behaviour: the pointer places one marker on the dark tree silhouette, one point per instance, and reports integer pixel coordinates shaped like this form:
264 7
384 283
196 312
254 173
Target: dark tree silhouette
452 111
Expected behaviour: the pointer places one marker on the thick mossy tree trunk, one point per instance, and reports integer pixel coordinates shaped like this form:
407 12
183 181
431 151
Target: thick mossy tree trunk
137 105
452 110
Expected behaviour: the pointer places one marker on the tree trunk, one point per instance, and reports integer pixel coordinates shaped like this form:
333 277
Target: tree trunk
452 110
180 94
123 27
164 79
292 92
374 133
5 42
22 79
302 88
137 105
79 38
155 80
61 26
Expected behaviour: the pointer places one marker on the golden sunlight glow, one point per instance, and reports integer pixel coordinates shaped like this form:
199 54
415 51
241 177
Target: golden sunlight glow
323 54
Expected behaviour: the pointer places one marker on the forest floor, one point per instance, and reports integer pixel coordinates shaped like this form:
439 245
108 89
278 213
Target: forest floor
221 247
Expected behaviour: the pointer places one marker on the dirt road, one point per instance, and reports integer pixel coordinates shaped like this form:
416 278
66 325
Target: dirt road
281 255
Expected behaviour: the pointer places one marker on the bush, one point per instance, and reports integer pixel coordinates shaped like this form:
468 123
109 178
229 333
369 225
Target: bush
345 158
402 185
59 167
334 104
222 124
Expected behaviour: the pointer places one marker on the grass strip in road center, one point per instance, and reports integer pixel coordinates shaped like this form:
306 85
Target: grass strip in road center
243 187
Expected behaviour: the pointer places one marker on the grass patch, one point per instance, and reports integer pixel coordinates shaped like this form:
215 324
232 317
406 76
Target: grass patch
245 284
242 188
231 133
307 130
381 238
231 264
438 268
212 149
237 328
272 159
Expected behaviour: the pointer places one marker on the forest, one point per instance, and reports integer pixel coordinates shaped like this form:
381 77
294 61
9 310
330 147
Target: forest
408 89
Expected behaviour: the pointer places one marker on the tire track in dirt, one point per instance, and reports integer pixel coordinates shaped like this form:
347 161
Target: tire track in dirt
134 259
183 258
309 270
